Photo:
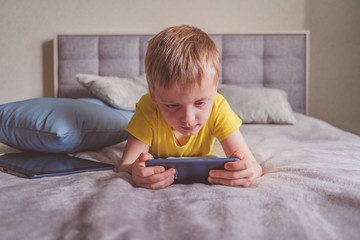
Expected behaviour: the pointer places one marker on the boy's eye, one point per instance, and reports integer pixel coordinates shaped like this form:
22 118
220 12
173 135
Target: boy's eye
172 106
199 103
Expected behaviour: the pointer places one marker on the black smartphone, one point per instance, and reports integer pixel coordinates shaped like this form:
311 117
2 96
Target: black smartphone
38 165
191 170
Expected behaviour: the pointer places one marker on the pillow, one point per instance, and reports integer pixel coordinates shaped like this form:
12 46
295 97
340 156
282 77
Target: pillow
122 93
258 105
59 125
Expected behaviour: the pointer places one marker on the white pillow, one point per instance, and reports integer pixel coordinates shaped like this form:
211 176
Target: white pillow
122 93
258 105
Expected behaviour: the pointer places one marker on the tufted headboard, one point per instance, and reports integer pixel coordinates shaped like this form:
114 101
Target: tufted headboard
274 60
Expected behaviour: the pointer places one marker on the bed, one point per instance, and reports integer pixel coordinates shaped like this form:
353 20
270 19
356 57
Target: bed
310 188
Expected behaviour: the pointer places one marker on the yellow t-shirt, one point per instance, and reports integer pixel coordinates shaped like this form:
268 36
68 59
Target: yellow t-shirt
150 127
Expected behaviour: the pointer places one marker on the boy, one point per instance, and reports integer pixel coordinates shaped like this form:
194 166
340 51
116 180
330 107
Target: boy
183 113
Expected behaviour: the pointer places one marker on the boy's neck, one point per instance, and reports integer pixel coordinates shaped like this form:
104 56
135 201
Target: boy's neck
181 139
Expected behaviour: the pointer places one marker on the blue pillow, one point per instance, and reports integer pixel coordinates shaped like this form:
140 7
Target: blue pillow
59 125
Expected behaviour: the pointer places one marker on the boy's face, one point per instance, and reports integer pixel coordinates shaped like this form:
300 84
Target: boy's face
186 110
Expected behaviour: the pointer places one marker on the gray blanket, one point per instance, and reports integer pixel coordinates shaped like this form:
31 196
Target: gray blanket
310 190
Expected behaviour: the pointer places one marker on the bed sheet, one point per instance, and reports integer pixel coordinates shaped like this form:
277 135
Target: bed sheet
309 190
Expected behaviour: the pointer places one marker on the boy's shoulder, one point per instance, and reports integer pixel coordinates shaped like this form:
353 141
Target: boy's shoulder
221 107
145 98
219 100
219 97
146 105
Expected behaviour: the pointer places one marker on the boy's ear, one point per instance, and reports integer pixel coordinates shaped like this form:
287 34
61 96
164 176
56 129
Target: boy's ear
152 96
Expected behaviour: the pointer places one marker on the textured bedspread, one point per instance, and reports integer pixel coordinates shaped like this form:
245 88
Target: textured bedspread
310 190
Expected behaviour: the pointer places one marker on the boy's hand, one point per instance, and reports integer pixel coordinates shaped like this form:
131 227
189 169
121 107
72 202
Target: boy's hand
151 177
239 173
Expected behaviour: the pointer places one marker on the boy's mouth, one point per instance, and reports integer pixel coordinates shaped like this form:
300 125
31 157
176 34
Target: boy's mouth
189 128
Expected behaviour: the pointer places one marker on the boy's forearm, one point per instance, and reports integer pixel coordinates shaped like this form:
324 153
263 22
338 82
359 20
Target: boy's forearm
258 169
132 151
236 143
124 168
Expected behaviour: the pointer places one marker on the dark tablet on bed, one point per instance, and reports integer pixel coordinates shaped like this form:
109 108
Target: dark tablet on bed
191 170
37 165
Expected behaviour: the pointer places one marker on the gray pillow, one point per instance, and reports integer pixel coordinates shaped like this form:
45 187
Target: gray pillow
258 105
121 93
62 125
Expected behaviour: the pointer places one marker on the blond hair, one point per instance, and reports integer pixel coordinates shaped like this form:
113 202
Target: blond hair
181 55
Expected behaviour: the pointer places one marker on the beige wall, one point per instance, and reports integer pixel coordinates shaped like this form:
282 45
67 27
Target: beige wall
335 61
27 28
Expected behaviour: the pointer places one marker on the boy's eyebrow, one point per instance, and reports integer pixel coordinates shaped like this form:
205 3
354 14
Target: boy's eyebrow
202 99
164 101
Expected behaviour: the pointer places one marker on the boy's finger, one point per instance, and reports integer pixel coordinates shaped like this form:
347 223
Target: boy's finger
148 175
157 169
243 182
239 155
154 179
161 176
143 171
140 161
144 156
236 165
158 185
224 174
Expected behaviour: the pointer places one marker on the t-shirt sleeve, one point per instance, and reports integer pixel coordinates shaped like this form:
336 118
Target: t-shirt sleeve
141 124
226 122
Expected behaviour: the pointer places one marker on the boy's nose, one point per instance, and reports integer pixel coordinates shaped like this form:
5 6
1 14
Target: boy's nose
188 115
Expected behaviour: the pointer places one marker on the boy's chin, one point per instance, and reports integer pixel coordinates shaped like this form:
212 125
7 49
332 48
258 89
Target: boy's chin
189 133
